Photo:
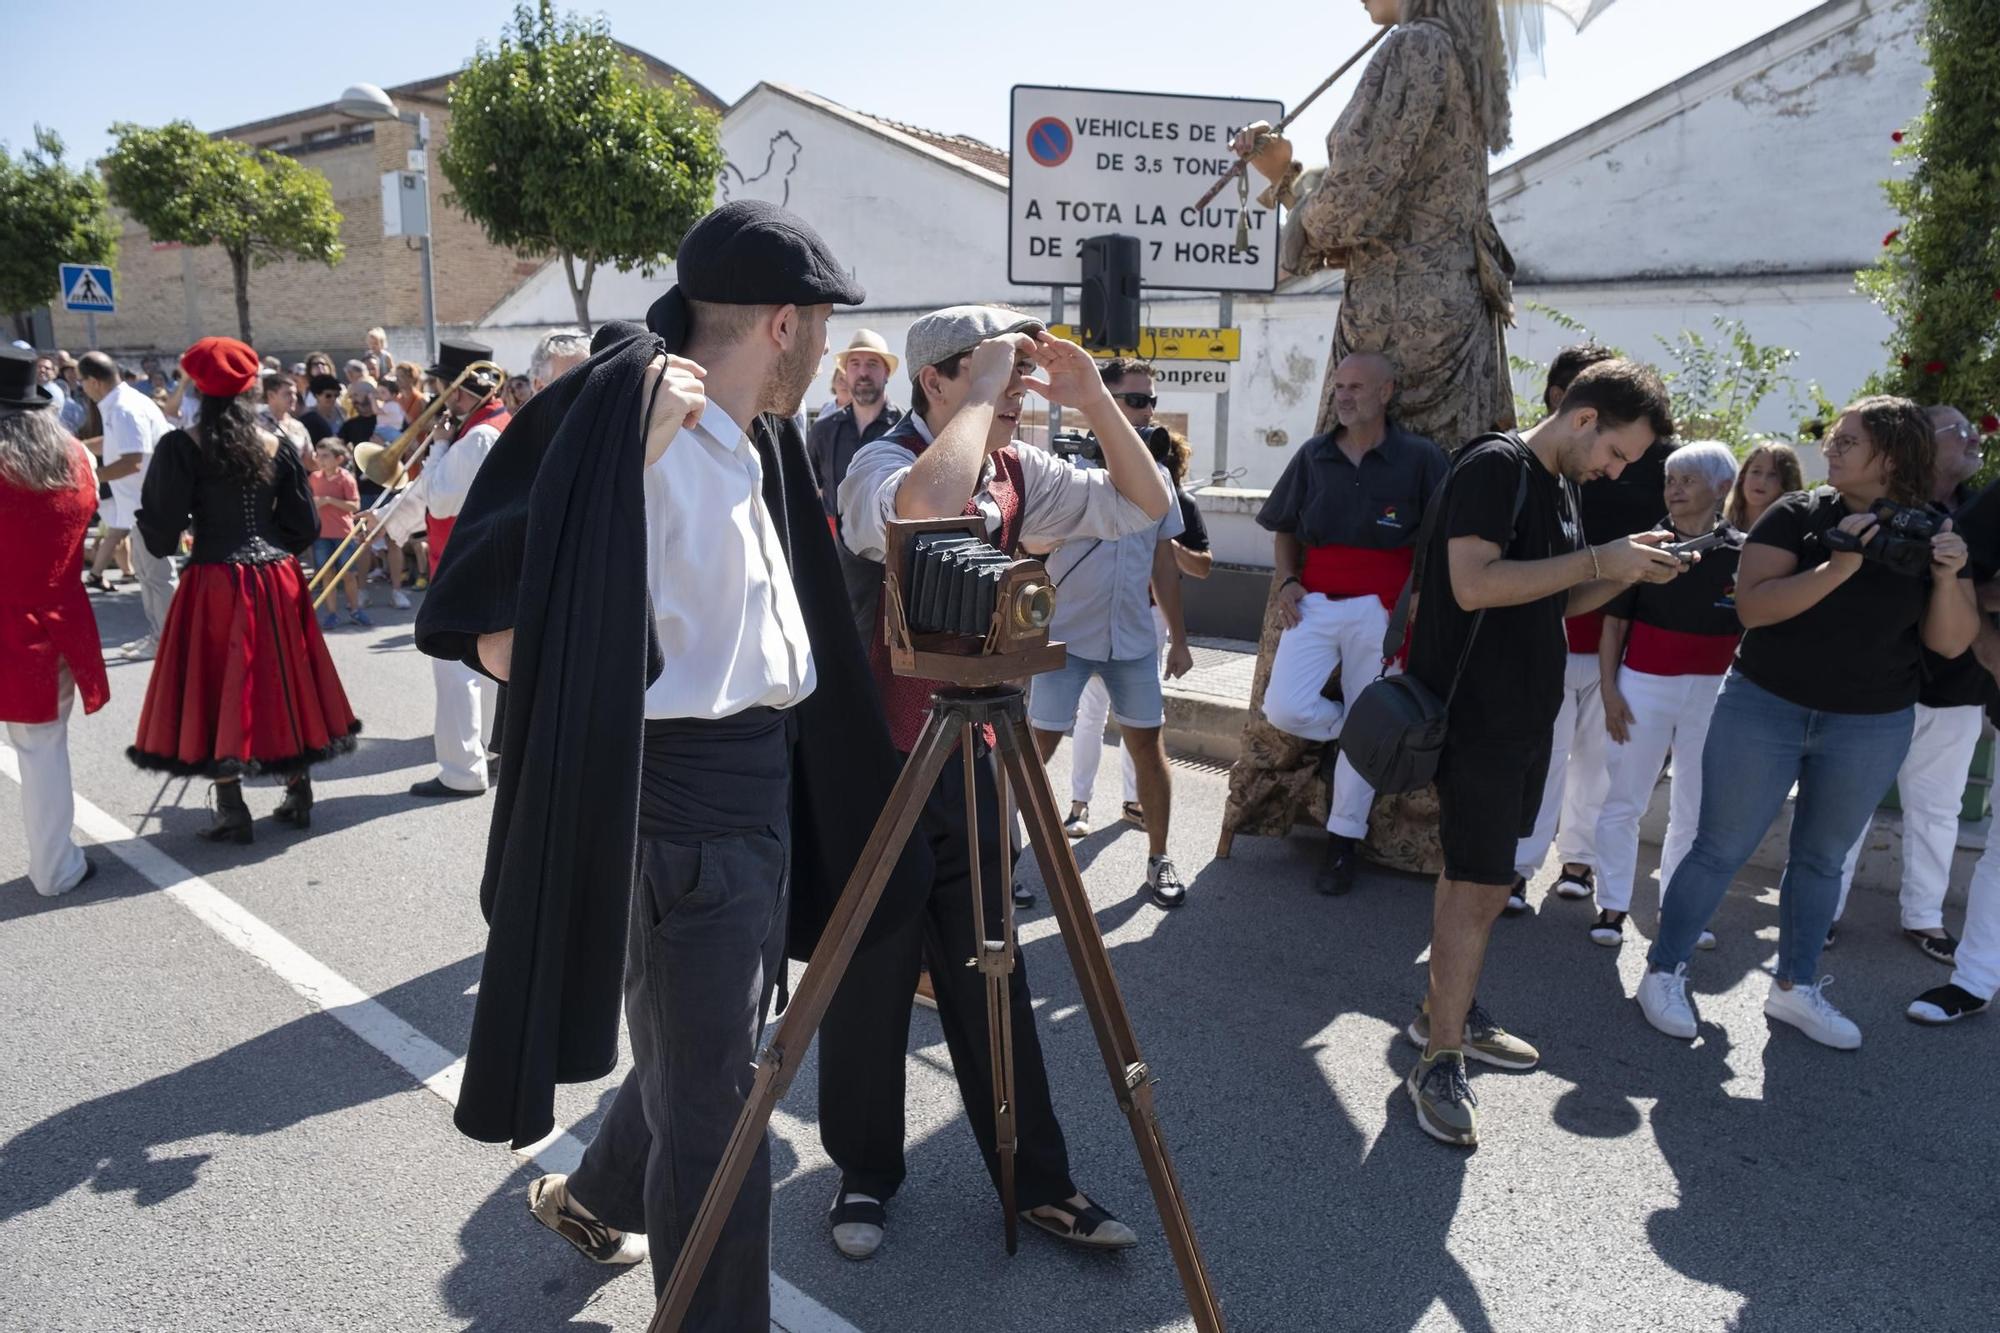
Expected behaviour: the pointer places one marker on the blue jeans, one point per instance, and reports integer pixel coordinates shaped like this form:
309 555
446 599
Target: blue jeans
1758 746
1133 683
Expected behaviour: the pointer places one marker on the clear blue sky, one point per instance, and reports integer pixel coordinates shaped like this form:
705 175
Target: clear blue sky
928 64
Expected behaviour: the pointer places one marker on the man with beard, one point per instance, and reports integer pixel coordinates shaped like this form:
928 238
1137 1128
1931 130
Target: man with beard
706 701
865 365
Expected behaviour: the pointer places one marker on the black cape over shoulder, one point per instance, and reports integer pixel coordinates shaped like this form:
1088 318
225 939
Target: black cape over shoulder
551 542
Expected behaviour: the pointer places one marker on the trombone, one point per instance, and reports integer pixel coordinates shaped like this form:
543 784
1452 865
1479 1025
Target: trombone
388 466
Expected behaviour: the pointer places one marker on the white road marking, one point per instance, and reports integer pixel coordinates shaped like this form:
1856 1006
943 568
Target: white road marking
792 1311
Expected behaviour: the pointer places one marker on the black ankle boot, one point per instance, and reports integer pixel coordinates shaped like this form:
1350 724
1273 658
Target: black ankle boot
232 817
297 807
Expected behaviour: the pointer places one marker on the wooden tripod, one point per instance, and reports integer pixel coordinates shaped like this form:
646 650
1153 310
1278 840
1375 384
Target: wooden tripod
955 713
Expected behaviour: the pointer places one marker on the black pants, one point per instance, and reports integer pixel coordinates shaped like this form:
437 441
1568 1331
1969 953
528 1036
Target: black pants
865 1036
706 943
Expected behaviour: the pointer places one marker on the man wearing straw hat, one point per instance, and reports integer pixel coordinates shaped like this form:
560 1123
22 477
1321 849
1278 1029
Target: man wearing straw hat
867 365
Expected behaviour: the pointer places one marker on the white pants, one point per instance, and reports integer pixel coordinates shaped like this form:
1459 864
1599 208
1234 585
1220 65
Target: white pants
48 805
1093 712
1344 632
464 716
1978 965
156 584
1574 792
1931 788
1669 713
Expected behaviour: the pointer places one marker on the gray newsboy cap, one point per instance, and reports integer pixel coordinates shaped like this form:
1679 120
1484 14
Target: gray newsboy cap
943 334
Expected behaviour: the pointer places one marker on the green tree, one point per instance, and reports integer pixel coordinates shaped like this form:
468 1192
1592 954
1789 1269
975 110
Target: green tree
49 215
256 205
559 141
1939 274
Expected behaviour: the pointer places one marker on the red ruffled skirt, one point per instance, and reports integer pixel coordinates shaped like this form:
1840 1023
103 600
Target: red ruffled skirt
242 683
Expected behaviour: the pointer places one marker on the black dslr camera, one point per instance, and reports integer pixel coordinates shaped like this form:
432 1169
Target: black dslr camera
1902 539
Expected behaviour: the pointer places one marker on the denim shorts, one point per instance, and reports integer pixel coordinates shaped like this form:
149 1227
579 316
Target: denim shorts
1133 684
323 549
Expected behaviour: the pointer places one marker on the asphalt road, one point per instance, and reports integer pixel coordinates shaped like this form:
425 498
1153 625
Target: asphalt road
187 1143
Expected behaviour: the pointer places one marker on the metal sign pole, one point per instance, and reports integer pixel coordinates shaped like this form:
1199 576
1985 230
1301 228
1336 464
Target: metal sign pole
90 329
1056 316
1224 319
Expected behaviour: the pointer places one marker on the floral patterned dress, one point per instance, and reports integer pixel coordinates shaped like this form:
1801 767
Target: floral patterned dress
1402 206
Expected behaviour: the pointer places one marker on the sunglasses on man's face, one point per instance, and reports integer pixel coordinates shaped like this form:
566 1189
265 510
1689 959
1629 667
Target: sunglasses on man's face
1138 399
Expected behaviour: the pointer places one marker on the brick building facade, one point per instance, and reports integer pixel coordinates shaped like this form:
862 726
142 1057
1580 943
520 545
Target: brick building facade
168 296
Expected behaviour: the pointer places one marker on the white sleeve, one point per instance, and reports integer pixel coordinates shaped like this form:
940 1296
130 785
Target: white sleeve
868 496
1063 501
451 477
122 435
408 520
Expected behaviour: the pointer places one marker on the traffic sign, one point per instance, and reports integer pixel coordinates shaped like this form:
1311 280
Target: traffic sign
86 289
1166 344
1090 162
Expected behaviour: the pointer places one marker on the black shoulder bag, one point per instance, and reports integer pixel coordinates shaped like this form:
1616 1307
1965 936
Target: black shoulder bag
1395 728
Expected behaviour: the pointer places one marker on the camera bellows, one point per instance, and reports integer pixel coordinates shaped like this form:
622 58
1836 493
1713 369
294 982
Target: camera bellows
955 583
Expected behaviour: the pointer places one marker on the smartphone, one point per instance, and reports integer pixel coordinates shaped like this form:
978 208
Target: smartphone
1682 550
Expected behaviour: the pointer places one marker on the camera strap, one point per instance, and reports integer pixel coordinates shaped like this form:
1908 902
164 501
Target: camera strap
1095 542
1399 619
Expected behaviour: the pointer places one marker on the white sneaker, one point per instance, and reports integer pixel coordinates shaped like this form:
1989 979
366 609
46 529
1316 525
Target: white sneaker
400 600
1663 997
1807 1009
140 649
1706 940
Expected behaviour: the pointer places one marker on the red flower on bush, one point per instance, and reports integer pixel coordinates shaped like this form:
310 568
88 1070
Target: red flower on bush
1890 239
1989 425
1896 135
1906 360
1933 367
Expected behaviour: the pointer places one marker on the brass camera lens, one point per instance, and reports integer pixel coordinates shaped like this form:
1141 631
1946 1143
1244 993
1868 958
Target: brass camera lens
1034 606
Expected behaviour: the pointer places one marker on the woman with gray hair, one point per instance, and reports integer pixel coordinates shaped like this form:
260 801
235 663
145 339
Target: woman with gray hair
556 353
1663 653
48 634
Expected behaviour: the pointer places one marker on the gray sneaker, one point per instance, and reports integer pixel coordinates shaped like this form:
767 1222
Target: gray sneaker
1163 881
549 1201
1485 1040
1444 1100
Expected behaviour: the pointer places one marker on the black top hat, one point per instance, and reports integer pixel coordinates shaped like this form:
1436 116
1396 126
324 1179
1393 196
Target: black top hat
18 390
455 354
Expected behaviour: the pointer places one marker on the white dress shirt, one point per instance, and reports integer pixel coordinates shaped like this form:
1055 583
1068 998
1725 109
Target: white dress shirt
133 424
724 607
442 486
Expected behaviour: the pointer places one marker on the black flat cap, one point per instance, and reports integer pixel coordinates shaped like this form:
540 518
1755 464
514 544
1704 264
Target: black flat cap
749 252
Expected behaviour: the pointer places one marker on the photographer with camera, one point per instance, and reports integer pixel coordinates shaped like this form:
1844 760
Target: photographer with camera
1840 591
1663 651
1504 567
1951 715
955 454
1344 519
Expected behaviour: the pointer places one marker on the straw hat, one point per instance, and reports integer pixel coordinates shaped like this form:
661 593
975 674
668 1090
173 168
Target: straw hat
867 340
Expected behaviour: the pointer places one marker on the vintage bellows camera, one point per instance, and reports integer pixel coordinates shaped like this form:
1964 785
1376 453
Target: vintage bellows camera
1902 539
961 610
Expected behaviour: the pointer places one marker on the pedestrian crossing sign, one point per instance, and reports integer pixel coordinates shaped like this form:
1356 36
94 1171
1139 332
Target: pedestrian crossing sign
86 289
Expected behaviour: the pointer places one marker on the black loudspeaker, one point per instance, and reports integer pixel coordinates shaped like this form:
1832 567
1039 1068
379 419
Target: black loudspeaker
1110 306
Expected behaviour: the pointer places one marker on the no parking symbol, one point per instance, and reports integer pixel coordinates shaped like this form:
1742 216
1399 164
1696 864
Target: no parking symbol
1050 141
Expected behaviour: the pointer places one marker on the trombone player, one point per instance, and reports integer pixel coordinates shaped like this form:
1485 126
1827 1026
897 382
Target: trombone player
466 431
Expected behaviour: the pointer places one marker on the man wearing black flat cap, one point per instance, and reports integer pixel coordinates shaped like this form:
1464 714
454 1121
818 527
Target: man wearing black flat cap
644 560
466 432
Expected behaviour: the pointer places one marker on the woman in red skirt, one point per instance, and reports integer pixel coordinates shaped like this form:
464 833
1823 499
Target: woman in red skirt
243 683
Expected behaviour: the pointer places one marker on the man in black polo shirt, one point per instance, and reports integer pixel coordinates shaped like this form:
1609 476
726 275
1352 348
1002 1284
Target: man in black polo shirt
866 363
1496 587
1345 515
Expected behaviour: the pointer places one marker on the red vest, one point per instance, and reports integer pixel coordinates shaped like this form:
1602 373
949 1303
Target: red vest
438 530
905 699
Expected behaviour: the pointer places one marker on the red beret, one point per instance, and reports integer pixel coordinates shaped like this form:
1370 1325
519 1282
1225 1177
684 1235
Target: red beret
222 367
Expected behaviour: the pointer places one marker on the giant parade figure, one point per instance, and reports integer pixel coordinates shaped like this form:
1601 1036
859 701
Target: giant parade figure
1401 207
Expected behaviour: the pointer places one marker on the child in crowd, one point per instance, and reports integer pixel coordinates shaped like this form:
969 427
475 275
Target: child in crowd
338 498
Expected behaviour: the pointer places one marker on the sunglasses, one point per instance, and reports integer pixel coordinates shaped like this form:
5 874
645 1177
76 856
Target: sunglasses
1138 399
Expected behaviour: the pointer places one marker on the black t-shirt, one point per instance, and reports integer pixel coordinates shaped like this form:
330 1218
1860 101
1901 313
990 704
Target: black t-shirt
1615 507
1325 499
1702 600
1860 648
1194 529
358 430
1513 681
1956 682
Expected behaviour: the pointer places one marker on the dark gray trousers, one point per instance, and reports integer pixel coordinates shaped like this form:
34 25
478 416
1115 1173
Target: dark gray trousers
707 939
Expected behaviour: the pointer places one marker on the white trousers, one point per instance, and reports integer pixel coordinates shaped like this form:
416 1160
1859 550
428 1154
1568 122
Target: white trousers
48 804
156 584
1669 713
1931 788
1087 741
1978 965
1574 792
1345 632
464 716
